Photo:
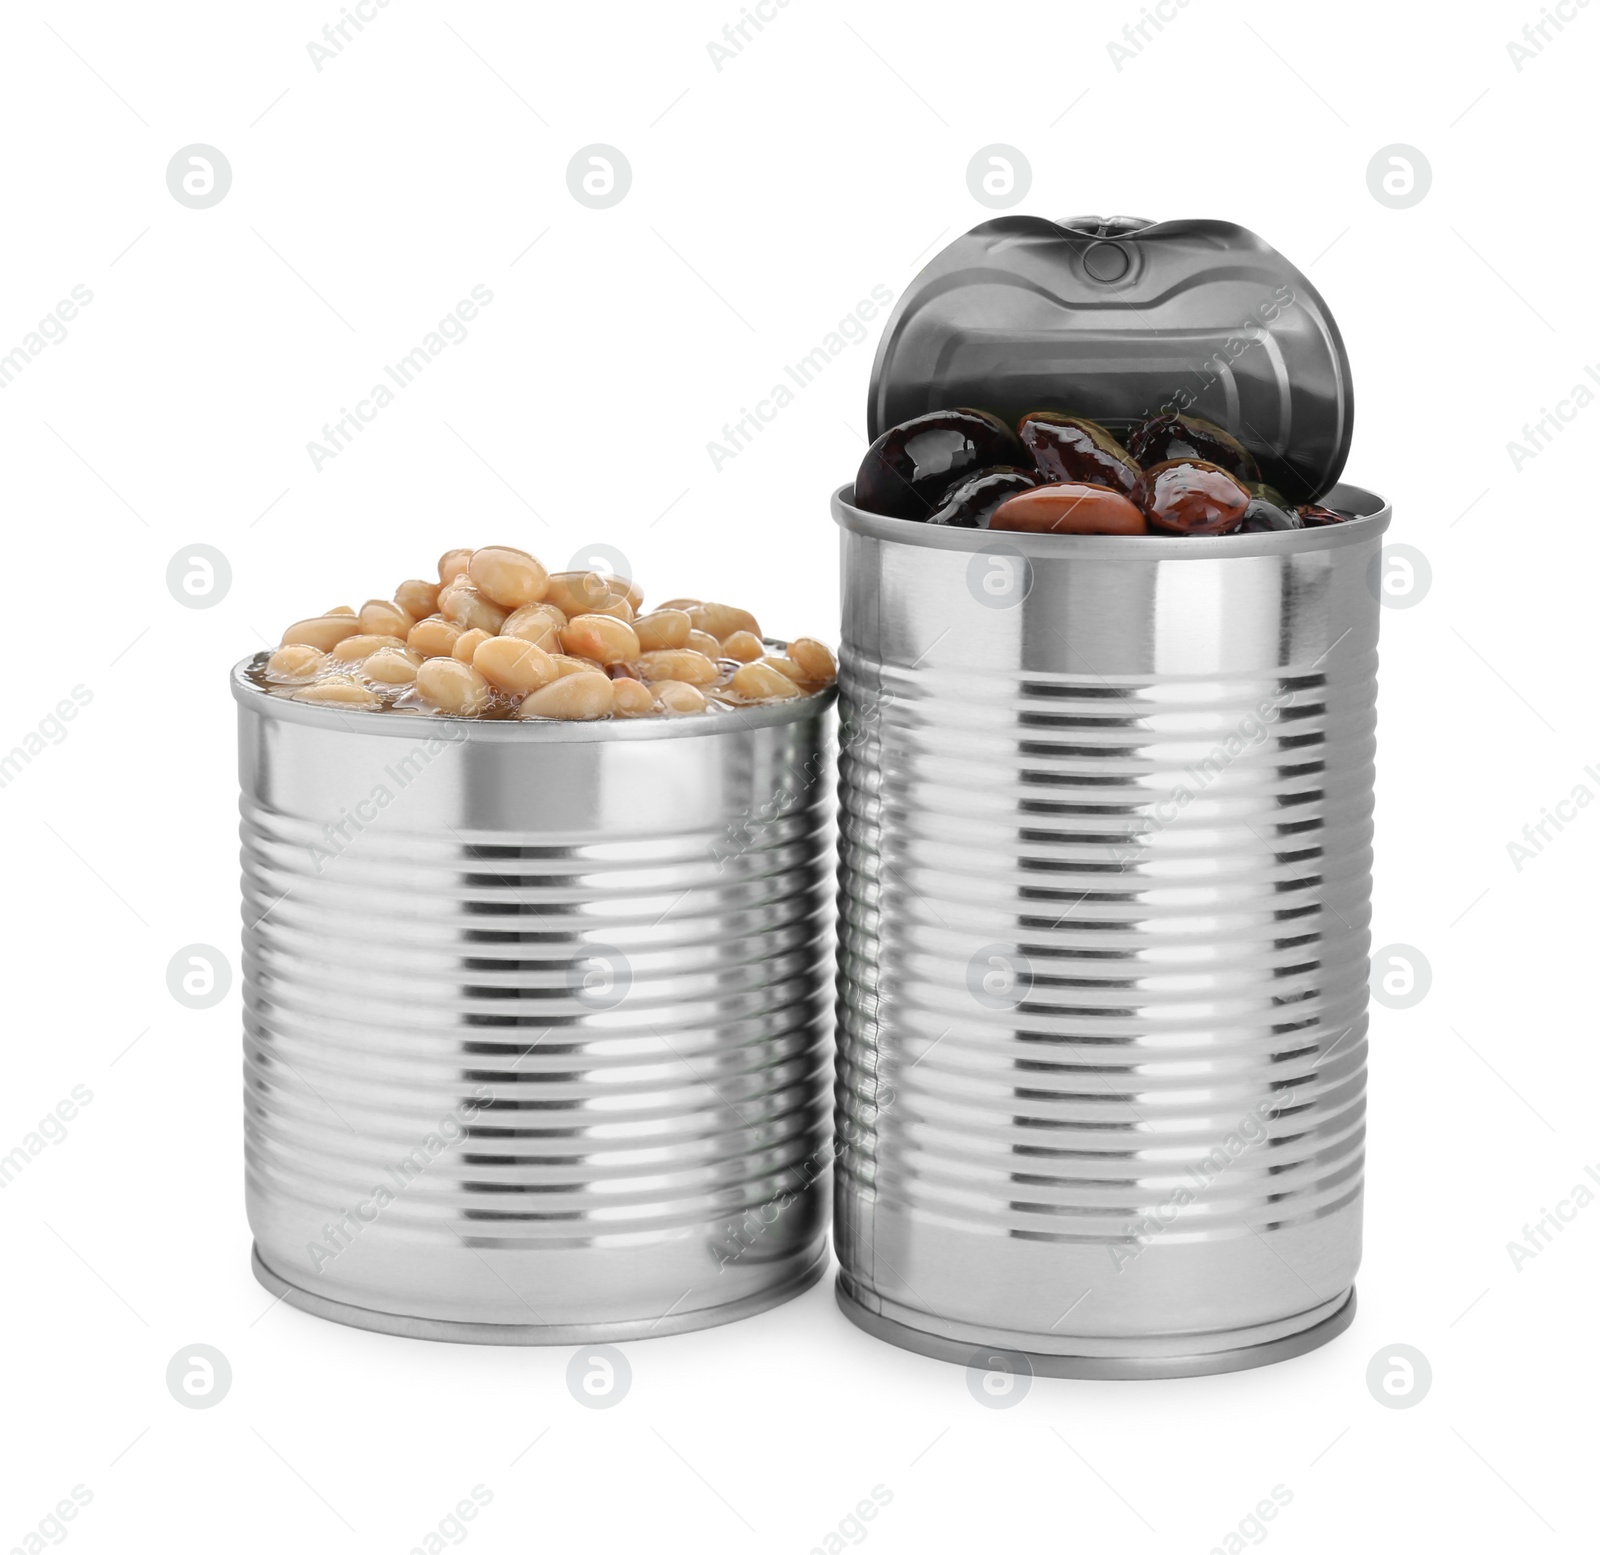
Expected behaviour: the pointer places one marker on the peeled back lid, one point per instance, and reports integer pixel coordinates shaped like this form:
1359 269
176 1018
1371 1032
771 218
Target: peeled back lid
1119 320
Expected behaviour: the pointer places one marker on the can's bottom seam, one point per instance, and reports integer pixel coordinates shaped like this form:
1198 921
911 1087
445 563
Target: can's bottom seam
452 1332
969 1348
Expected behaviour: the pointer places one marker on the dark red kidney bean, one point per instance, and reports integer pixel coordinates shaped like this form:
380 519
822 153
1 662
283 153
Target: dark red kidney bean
1191 497
1314 516
1165 438
1069 448
969 503
908 470
1069 508
1260 517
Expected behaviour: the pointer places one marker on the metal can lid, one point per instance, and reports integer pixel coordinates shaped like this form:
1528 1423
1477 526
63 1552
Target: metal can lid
1120 319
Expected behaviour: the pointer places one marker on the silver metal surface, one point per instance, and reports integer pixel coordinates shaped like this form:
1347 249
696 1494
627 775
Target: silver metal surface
535 1017
1107 1368
1105 879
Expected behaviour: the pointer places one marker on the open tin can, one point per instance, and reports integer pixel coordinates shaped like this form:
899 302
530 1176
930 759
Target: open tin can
535 1016
1106 844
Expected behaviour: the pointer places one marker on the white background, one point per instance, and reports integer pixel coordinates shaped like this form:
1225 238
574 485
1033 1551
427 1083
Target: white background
768 199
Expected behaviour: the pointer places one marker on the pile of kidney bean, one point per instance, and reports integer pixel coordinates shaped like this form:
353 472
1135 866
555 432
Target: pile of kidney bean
1062 474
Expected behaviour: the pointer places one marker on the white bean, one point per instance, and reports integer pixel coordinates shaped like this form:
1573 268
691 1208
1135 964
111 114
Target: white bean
678 664
322 632
392 666
722 621
582 696
467 644
631 698
746 647
462 603
433 638
294 664
677 696
340 691
590 594
497 629
662 629
604 638
384 618
571 664
352 650
539 624
507 576
513 665
451 686
760 682
417 598
815 660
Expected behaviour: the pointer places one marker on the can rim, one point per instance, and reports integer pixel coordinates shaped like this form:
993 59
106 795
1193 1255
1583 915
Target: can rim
356 720
1373 515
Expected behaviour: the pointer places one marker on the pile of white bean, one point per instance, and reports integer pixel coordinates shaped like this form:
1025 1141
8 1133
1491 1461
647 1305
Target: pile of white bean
499 637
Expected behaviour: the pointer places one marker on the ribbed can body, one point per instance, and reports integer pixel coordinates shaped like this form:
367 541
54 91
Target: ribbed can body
1104 887
535 1017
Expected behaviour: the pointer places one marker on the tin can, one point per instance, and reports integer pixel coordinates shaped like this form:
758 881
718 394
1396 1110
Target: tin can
535 1019
1105 878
